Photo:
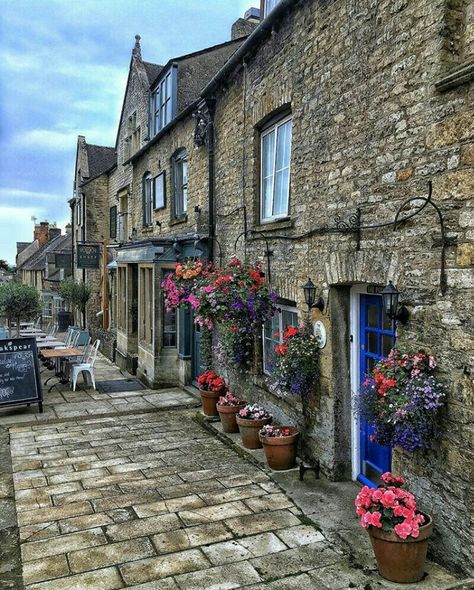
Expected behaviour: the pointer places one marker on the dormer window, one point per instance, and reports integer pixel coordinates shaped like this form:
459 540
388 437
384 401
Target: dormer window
268 6
163 101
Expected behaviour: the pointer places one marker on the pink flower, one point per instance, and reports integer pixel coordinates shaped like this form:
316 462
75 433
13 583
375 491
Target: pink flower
377 495
193 300
403 530
388 499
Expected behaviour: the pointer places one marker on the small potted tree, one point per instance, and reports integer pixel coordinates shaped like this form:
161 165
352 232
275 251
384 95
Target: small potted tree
228 406
398 531
280 444
64 317
18 303
250 420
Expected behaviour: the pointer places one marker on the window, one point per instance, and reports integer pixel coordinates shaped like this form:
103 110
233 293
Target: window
169 332
159 191
122 298
269 5
147 198
180 183
146 310
163 101
273 333
275 174
113 222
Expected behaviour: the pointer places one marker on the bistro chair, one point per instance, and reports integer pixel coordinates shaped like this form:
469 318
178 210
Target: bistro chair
87 367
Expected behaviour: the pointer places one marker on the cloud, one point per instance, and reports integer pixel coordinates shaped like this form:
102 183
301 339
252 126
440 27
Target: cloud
16 193
16 225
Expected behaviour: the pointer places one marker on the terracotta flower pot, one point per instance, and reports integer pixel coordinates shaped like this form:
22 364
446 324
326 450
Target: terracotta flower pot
401 560
209 401
249 430
227 415
280 451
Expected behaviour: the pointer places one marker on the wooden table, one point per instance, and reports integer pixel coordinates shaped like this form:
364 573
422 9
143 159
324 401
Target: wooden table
61 353
48 343
58 355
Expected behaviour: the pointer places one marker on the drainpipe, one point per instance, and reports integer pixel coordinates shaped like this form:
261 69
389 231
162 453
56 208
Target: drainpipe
211 104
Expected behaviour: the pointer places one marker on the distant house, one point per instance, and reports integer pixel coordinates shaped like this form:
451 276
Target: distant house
5 276
48 264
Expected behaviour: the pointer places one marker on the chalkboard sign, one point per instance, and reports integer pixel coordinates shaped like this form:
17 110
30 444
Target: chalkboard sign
19 373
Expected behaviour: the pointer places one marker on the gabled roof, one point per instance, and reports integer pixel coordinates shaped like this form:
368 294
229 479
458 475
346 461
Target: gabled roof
101 159
60 244
152 71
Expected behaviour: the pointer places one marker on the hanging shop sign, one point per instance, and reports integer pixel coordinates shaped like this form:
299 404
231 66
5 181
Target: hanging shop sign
63 261
88 256
19 373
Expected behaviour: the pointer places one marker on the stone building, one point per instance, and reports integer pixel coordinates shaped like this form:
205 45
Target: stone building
328 119
89 214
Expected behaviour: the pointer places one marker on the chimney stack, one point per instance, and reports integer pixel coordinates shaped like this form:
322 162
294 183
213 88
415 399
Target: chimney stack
41 232
68 229
244 26
54 232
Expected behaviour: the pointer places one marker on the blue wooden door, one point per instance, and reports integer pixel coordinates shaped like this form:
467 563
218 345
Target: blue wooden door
377 337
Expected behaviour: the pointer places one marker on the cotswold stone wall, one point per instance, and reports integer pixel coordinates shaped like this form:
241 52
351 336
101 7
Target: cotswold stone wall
370 129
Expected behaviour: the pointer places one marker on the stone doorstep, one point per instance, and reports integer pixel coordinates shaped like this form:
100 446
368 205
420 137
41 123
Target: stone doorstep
257 457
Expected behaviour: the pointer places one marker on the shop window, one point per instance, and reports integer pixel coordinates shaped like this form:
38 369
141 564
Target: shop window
122 299
169 324
179 166
273 333
275 170
146 305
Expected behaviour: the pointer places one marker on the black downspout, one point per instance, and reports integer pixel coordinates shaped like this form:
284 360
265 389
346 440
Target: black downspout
211 107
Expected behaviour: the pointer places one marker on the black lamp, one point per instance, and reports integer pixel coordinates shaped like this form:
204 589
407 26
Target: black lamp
390 297
309 289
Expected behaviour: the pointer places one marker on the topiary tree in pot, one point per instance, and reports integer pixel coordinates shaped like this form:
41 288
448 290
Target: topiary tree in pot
76 295
82 293
18 303
66 290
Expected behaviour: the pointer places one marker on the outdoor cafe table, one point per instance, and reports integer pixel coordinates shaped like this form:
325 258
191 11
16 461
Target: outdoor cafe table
48 343
58 355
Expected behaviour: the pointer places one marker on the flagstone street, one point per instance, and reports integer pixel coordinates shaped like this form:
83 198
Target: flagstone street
152 499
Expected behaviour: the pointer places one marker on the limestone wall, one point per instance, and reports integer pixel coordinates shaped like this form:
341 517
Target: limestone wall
370 129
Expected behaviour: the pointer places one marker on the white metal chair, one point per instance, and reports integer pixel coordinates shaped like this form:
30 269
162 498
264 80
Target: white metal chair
86 367
53 330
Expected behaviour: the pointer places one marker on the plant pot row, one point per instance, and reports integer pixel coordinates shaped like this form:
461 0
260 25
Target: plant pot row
280 451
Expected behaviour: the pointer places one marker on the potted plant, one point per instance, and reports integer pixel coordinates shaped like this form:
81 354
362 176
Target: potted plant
398 531
228 406
64 317
280 444
211 387
250 420
18 302
400 398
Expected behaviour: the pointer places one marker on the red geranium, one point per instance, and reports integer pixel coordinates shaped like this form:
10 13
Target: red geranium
210 381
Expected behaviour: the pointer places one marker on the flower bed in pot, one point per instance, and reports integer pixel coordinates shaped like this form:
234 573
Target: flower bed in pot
228 407
250 421
398 531
280 444
211 387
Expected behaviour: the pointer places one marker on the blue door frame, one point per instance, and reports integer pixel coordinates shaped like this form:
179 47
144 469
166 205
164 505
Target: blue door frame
377 337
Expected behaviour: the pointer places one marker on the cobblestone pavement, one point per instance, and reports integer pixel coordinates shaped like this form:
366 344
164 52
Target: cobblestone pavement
149 499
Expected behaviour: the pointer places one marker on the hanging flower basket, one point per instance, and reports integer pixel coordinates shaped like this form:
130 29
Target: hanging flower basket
401 399
228 407
250 420
280 444
398 531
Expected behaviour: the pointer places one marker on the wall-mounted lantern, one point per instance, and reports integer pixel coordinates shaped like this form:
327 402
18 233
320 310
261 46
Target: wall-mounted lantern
390 297
309 290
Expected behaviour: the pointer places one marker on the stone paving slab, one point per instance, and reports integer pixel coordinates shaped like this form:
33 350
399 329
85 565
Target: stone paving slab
128 491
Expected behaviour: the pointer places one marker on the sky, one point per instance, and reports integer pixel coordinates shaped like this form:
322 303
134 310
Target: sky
63 70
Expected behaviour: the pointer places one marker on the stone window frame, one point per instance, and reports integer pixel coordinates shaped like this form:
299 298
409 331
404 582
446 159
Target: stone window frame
179 160
147 199
288 307
159 187
272 125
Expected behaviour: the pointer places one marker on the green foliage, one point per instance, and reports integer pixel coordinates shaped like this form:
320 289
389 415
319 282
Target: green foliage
75 294
19 302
